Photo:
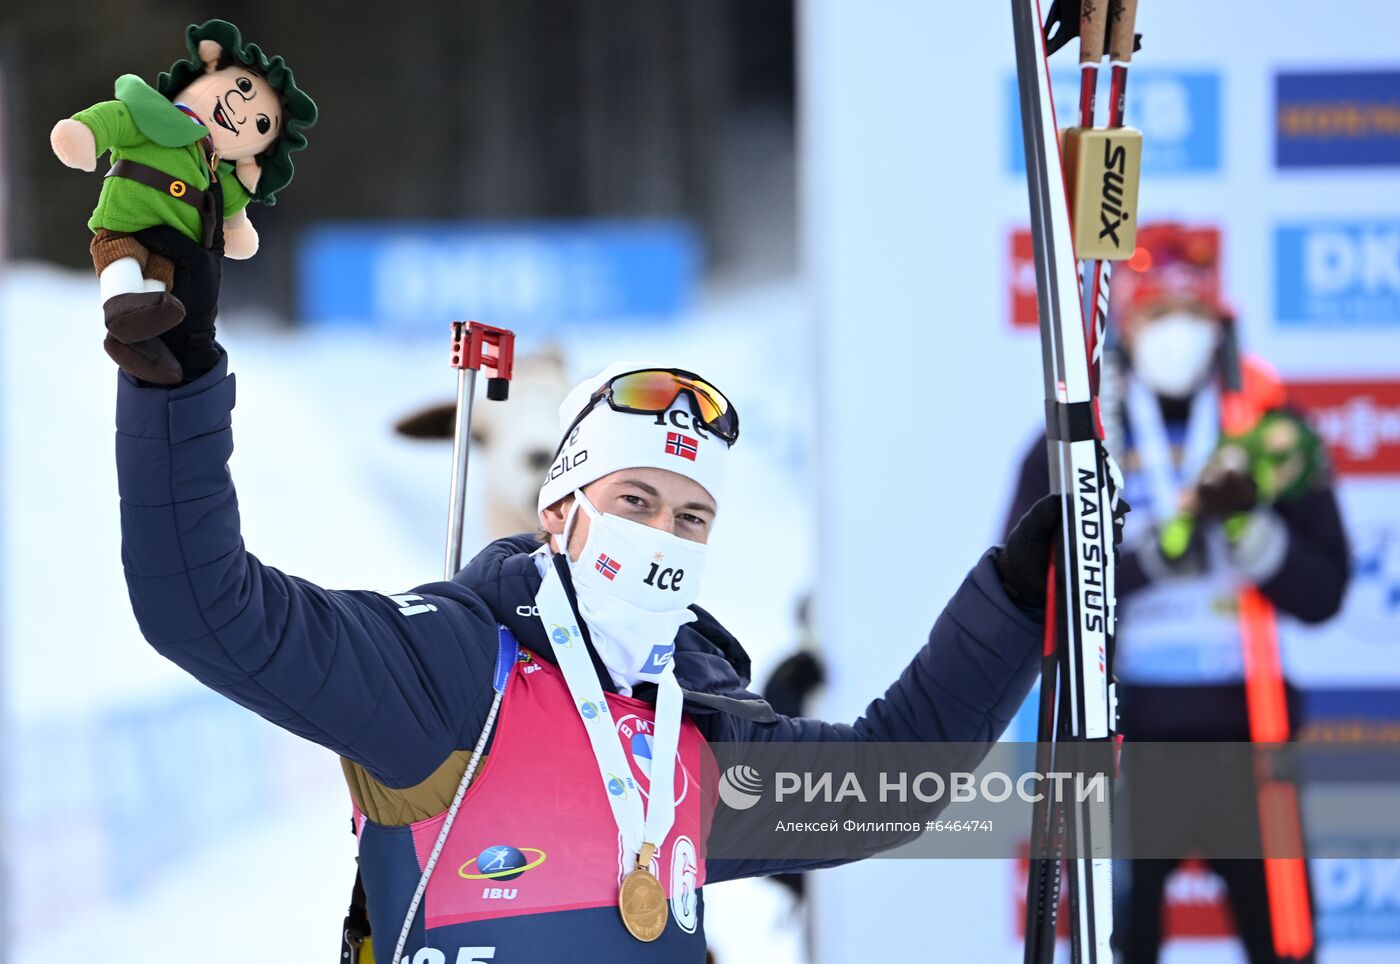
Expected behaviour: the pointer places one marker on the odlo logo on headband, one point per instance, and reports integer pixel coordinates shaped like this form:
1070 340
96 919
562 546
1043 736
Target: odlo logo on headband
566 462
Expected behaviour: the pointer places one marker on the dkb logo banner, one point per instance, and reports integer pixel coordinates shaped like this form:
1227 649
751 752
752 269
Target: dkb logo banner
1337 273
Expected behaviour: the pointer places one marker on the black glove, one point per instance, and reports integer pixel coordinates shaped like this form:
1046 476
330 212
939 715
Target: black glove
1226 493
1024 562
198 273
1226 485
794 680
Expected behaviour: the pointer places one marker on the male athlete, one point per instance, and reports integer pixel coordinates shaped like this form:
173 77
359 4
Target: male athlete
584 831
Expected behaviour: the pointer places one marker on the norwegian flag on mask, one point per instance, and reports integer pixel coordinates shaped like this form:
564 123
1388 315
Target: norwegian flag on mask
682 445
608 566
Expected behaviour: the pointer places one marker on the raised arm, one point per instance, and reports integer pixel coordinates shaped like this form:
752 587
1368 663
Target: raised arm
395 683
80 140
111 125
963 687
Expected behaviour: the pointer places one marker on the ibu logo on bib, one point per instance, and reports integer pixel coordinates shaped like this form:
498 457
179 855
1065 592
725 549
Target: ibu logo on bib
501 862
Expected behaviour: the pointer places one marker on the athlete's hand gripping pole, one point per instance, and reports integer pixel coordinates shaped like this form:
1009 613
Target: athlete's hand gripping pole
474 347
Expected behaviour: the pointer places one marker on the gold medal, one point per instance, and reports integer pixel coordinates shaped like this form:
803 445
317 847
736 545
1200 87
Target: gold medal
641 901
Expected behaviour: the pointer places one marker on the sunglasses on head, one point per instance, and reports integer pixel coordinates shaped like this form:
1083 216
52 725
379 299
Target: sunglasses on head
652 391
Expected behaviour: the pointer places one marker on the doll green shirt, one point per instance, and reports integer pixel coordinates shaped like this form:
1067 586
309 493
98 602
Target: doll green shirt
145 127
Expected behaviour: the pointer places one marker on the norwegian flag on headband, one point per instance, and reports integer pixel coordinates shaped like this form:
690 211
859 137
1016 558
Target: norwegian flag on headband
682 445
608 566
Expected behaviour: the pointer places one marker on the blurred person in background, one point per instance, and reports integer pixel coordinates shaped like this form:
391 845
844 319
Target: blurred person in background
591 619
1229 489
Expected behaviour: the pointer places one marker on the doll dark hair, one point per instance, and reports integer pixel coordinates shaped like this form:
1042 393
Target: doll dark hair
298 110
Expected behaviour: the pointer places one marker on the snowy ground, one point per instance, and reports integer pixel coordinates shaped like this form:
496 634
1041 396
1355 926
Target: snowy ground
141 814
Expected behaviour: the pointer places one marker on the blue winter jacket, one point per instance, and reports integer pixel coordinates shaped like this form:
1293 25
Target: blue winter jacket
398 696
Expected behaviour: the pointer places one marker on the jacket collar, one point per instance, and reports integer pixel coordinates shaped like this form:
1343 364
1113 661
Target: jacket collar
155 116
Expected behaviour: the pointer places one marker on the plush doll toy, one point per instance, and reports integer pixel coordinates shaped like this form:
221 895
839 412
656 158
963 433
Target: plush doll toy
217 131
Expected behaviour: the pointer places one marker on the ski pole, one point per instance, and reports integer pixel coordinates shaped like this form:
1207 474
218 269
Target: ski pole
1082 476
1096 274
1093 30
1047 816
474 347
1047 826
1122 42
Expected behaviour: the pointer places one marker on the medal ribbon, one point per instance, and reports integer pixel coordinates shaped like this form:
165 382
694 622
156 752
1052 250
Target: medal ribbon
208 138
1154 452
624 796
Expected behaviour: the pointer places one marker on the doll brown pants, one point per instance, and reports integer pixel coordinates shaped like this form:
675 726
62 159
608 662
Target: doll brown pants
108 246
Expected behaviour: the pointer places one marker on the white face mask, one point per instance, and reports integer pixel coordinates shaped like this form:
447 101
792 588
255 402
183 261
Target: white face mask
1172 355
633 585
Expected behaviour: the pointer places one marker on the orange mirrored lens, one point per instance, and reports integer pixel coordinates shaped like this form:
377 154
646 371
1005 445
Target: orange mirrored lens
655 391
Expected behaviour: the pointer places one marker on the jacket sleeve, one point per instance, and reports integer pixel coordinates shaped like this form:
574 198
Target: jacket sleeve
963 686
111 124
394 683
236 196
1311 580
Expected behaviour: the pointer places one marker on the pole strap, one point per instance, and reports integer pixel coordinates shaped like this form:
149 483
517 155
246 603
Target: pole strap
1078 416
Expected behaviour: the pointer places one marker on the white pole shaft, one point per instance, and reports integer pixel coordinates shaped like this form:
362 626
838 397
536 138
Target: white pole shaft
461 449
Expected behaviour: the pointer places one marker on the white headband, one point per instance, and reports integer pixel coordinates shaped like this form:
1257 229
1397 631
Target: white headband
606 441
